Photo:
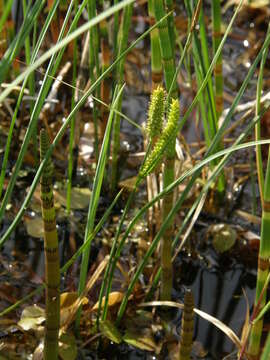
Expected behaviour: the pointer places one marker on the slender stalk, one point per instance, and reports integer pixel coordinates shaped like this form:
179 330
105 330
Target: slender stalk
123 41
266 350
168 178
72 125
94 64
187 326
31 84
156 62
115 31
263 266
171 28
259 162
52 265
106 83
166 49
167 41
216 17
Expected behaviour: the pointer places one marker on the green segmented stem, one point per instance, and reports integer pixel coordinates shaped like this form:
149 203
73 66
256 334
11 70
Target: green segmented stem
168 178
263 267
52 268
187 327
156 62
166 48
171 28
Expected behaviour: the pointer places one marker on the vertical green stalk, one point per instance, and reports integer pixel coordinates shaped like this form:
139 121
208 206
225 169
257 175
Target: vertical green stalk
166 48
187 326
94 64
263 267
72 125
171 28
264 187
52 267
115 30
31 84
156 63
123 41
216 16
259 162
266 350
106 83
168 178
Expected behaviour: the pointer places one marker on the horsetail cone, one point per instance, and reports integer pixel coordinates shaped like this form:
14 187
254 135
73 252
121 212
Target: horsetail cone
52 267
156 113
167 139
174 114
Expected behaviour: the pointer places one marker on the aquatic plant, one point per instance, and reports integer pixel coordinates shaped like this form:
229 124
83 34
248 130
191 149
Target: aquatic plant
161 145
52 263
187 326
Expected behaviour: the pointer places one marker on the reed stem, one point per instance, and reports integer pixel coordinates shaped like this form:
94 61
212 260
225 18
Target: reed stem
263 267
156 62
52 266
123 41
187 327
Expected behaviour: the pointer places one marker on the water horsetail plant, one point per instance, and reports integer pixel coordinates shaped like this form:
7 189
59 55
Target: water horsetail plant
187 327
52 266
165 144
263 267
168 134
